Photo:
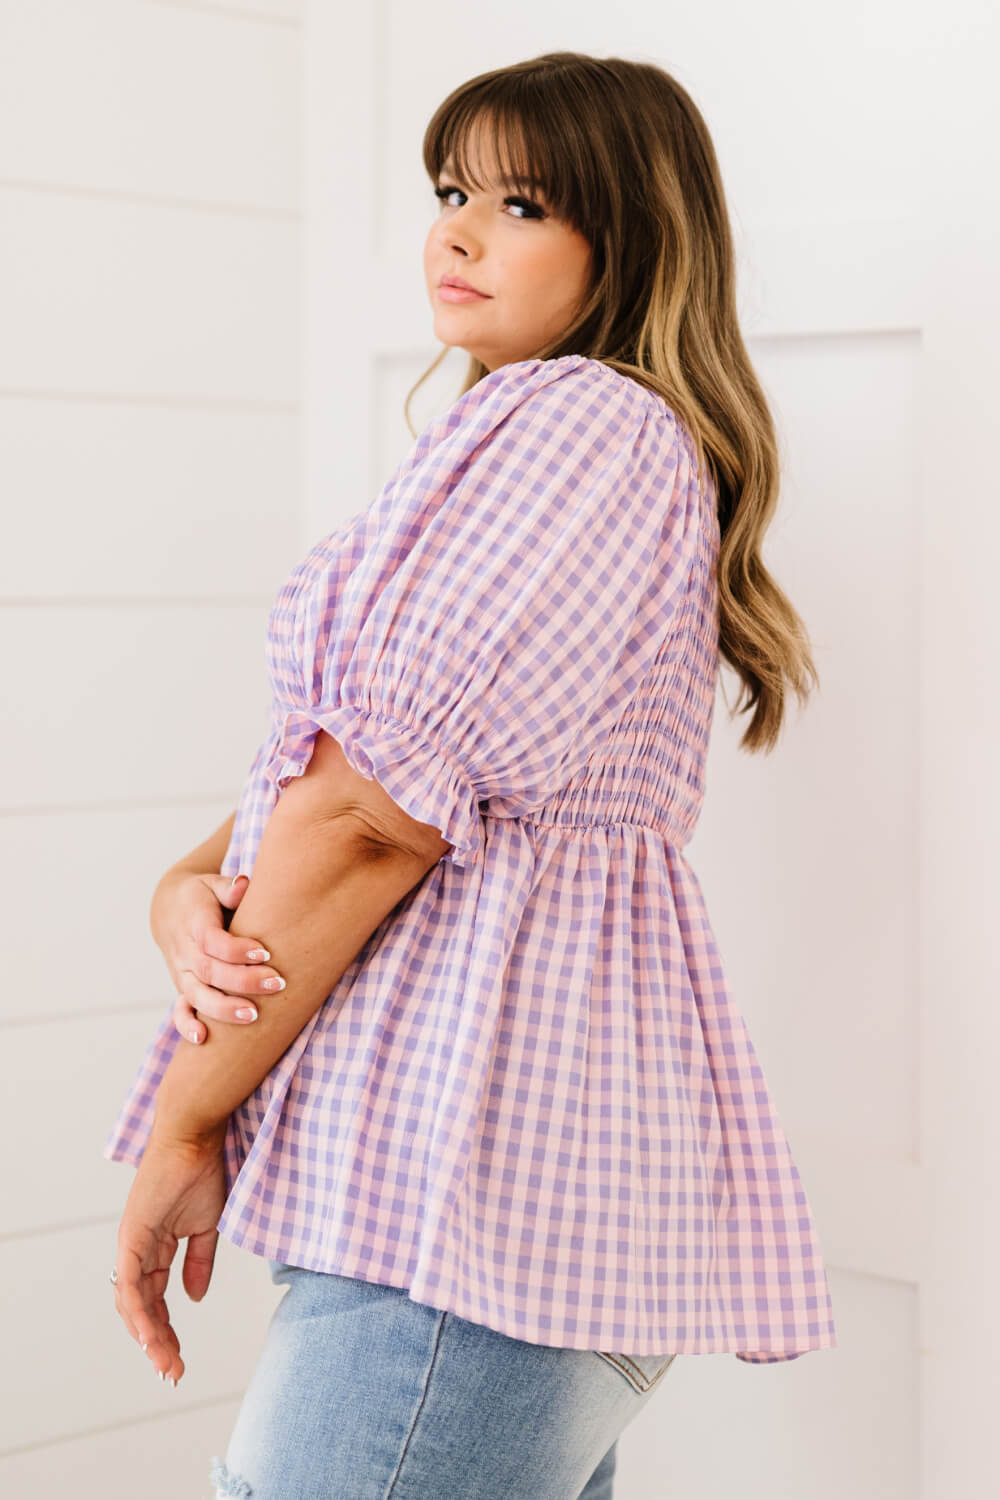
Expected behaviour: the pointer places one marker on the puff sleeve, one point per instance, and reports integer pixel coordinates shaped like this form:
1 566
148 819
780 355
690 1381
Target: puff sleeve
478 630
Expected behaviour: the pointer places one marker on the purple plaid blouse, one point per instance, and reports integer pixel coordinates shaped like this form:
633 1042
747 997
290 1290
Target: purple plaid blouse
531 1099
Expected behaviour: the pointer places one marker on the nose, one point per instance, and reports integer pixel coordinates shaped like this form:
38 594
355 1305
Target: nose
458 247
459 232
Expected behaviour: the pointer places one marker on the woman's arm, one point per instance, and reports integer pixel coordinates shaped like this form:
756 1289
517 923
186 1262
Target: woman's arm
326 874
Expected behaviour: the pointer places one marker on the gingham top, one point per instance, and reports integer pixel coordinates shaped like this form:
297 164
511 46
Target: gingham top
531 1099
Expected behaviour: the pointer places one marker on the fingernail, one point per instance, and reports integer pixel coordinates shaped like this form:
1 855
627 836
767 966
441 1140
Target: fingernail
234 880
160 1373
248 1013
259 953
274 983
173 1382
143 1347
194 1036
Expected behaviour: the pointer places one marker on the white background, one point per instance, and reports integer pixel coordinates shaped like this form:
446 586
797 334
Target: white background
212 305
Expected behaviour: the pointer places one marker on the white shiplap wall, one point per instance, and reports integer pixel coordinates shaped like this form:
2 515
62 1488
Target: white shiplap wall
149 250
852 876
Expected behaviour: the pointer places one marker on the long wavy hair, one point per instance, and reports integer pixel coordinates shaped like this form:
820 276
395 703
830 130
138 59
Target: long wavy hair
621 153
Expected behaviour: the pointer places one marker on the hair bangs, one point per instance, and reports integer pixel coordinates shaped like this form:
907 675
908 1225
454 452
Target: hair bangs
511 135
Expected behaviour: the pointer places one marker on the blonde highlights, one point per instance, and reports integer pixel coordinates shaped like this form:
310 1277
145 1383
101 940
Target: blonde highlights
621 152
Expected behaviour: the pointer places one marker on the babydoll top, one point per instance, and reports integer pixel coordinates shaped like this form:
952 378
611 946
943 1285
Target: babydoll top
531 1099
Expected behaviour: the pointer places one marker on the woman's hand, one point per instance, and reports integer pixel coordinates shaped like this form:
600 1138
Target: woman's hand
178 1192
215 974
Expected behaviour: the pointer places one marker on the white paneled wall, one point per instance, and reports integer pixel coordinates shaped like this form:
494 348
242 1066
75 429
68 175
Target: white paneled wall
152 171
149 417
852 876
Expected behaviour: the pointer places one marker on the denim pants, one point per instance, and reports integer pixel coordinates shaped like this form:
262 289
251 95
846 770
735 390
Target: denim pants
362 1394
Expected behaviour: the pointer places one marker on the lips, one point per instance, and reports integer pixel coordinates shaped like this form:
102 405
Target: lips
464 286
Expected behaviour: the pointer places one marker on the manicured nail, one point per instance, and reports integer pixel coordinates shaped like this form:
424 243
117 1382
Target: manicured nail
275 983
194 1036
172 1382
248 1013
143 1347
160 1373
256 953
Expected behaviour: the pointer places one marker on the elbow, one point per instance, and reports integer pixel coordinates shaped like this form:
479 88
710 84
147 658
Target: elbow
419 844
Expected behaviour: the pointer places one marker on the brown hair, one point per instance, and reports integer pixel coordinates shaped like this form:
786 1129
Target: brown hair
621 152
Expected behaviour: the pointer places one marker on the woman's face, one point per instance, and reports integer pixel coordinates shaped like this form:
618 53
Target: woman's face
532 269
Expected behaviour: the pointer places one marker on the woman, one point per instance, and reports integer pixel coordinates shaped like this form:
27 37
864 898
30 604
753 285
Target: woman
503 1133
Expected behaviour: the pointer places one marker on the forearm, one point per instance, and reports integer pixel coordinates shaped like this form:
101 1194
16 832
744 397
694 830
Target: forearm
317 893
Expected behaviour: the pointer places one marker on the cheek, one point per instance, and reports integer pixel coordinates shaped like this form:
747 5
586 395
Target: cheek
539 269
562 272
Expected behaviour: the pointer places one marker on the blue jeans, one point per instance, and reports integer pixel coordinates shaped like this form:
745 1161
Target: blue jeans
362 1394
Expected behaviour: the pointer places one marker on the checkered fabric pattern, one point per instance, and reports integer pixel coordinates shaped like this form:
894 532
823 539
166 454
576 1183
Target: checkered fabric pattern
531 1099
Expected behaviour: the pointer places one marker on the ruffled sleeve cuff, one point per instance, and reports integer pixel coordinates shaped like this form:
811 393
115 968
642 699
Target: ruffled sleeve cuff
426 784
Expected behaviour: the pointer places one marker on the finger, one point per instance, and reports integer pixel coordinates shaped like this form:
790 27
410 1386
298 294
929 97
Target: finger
135 1297
229 892
198 1263
237 979
130 1327
165 1345
145 1308
211 937
210 1004
227 979
186 1022
128 1321
163 1352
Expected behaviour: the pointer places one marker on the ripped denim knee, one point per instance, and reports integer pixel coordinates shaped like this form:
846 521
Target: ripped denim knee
228 1486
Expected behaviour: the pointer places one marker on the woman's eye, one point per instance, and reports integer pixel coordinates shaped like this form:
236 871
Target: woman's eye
445 192
532 210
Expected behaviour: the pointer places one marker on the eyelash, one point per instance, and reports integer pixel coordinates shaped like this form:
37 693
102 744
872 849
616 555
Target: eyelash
444 191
